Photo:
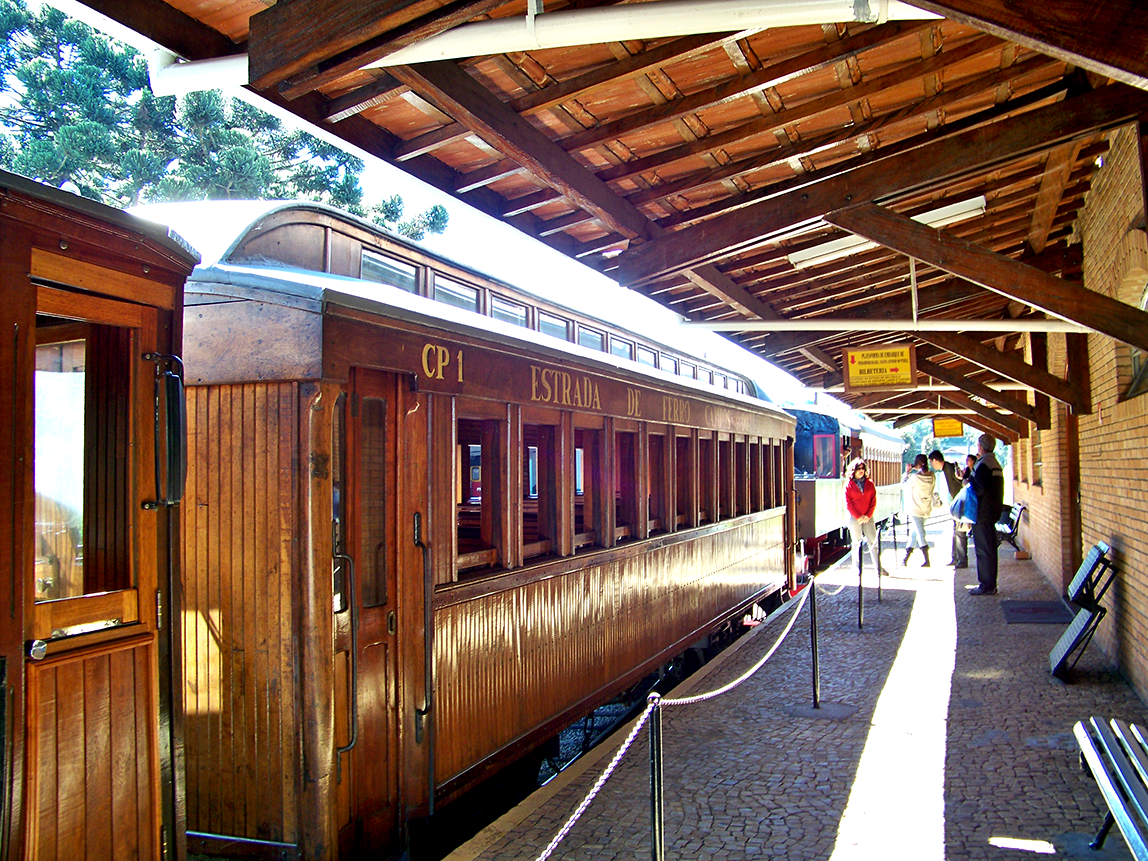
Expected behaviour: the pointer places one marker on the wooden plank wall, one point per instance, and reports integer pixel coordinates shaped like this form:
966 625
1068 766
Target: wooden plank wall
506 663
240 560
93 756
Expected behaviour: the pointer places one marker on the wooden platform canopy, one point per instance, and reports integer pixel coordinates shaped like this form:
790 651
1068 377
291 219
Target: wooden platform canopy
806 176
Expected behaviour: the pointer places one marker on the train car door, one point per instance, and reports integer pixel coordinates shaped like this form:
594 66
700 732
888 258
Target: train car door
367 551
92 561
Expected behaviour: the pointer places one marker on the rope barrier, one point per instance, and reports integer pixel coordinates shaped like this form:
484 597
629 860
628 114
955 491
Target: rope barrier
654 702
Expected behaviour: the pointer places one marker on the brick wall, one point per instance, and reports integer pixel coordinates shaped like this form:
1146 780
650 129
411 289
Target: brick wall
1114 438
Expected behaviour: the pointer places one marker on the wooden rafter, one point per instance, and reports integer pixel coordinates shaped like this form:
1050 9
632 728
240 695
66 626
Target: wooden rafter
1108 38
979 390
976 149
1008 366
1027 284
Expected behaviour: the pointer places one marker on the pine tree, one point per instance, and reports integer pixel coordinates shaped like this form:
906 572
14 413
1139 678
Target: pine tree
76 110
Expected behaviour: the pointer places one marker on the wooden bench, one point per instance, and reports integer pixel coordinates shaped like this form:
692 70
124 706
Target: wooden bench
1115 754
1009 525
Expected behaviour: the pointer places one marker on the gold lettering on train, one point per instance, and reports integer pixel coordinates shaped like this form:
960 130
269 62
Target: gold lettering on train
633 403
548 386
675 410
436 359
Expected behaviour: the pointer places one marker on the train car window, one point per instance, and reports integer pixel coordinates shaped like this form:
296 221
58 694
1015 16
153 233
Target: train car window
756 502
725 479
83 470
588 486
383 270
825 455
647 357
684 496
669 364
720 380
452 293
478 522
706 376
555 327
626 483
657 502
591 338
373 489
741 477
539 490
621 348
687 370
507 311
707 483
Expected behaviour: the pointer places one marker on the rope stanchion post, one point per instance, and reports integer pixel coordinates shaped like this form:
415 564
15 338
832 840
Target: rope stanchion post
657 807
813 641
860 588
880 529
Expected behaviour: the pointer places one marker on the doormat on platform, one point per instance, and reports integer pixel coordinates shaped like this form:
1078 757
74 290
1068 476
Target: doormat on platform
1036 612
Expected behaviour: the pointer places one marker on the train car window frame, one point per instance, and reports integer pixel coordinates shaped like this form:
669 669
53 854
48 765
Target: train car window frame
707 479
374 267
117 453
627 469
826 463
646 356
480 512
621 348
508 311
658 486
685 469
687 370
451 292
669 364
539 516
553 325
591 339
725 477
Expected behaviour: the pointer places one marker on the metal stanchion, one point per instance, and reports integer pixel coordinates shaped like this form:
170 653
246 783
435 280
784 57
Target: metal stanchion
657 813
880 529
813 641
860 588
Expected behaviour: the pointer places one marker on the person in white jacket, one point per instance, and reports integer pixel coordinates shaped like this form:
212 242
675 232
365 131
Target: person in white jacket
919 484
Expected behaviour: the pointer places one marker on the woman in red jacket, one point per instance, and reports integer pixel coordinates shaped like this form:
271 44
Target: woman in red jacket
861 502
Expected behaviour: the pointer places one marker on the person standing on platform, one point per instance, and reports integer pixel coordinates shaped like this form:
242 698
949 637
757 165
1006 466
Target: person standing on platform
861 503
959 557
988 484
920 484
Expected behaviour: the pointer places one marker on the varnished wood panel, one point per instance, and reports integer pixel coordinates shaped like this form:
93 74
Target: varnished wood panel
93 754
240 561
510 661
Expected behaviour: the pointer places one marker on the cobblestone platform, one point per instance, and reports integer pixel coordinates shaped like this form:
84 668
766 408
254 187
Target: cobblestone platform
944 737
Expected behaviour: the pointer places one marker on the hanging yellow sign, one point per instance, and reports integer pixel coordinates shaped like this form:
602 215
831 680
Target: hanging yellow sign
948 428
880 368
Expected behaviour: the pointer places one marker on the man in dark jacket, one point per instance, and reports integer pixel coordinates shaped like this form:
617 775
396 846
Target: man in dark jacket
959 556
988 483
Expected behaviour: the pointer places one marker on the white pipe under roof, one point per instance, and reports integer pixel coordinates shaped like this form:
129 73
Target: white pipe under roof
818 324
656 19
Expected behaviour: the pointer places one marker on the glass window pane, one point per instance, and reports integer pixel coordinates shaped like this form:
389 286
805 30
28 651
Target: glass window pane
669 364
686 370
647 357
623 349
590 338
376 267
453 293
507 311
556 327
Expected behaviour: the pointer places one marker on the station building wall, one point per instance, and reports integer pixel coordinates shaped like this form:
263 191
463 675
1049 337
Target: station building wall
1113 439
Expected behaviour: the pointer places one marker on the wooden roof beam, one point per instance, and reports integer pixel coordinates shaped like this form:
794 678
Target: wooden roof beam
1010 367
1107 38
986 423
980 148
293 39
1003 275
448 85
1014 405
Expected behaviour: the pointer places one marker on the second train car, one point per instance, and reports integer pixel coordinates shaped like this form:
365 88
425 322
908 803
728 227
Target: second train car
420 539
824 442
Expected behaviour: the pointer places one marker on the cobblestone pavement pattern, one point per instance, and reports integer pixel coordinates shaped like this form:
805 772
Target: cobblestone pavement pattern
975 743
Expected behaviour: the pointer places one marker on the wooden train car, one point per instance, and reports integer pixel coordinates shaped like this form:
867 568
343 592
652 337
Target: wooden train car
421 539
824 442
90 406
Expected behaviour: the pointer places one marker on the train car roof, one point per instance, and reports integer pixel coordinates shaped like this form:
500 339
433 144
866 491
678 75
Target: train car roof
157 233
319 291
851 420
217 228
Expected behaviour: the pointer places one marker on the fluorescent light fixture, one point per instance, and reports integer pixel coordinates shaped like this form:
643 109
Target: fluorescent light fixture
848 245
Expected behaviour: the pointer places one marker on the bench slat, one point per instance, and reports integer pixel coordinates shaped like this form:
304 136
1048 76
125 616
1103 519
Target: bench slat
1106 770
